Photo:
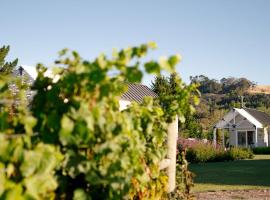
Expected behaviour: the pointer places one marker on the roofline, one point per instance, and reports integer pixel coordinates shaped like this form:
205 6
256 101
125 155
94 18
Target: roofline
222 123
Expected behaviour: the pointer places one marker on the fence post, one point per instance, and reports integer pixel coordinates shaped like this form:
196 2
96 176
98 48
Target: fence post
172 147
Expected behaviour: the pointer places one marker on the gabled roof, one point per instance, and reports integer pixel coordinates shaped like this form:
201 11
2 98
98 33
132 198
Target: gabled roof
249 117
136 92
21 72
30 70
259 115
257 118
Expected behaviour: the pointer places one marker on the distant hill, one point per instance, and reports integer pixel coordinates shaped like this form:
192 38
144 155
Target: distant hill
219 96
259 89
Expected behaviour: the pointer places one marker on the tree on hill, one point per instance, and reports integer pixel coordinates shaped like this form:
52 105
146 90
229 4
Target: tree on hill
238 85
223 86
206 85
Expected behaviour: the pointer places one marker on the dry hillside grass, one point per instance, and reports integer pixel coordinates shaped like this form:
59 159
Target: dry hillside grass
264 89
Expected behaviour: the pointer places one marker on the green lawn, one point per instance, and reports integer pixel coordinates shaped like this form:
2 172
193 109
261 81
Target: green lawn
235 175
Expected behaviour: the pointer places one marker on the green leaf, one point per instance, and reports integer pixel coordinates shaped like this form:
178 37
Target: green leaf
80 194
152 45
13 193
152 67
134 75
102 61
174 60
29 123
196 100
163 62
67 126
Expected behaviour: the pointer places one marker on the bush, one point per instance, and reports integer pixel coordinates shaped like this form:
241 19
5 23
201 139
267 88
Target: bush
261 150
240 153
201 152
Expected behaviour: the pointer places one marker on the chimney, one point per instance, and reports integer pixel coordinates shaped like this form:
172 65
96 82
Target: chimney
20 70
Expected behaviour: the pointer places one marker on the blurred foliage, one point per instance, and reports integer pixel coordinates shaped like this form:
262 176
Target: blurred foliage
26 169
73 142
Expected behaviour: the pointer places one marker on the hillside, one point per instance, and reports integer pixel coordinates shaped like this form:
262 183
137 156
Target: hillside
218 96
259 89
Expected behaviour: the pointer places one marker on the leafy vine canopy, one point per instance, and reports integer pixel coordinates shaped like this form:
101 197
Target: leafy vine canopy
72 142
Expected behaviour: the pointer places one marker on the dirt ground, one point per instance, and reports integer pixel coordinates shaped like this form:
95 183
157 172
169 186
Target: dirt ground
234 195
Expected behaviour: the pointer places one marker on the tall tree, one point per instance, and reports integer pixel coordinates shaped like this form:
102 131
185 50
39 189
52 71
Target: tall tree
6 67
8 87
160 85
171 86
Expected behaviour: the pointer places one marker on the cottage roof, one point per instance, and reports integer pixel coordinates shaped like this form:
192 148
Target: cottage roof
20 71
262 117
257 118
136 92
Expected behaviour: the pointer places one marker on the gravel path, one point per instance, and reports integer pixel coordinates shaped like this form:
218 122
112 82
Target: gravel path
234 195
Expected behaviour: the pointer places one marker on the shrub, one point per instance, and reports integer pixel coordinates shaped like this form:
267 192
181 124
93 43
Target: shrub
261 150
240 153
201 152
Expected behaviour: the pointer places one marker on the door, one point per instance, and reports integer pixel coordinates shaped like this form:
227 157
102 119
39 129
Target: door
250 138
241 138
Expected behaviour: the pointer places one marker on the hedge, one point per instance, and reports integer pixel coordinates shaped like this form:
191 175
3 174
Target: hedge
261 150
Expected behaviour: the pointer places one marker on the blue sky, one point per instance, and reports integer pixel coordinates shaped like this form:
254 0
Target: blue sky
215 38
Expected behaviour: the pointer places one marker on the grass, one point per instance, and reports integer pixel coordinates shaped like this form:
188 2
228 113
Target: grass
236 175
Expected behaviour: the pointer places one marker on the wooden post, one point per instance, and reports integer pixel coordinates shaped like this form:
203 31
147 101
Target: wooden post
215 136
172 144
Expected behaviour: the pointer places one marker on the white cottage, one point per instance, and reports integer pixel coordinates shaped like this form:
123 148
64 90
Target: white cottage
246 128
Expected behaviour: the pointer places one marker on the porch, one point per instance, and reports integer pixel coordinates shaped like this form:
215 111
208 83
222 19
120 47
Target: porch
237 137
242 129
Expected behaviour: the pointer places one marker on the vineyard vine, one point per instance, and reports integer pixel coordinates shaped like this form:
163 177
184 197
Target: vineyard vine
72 141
